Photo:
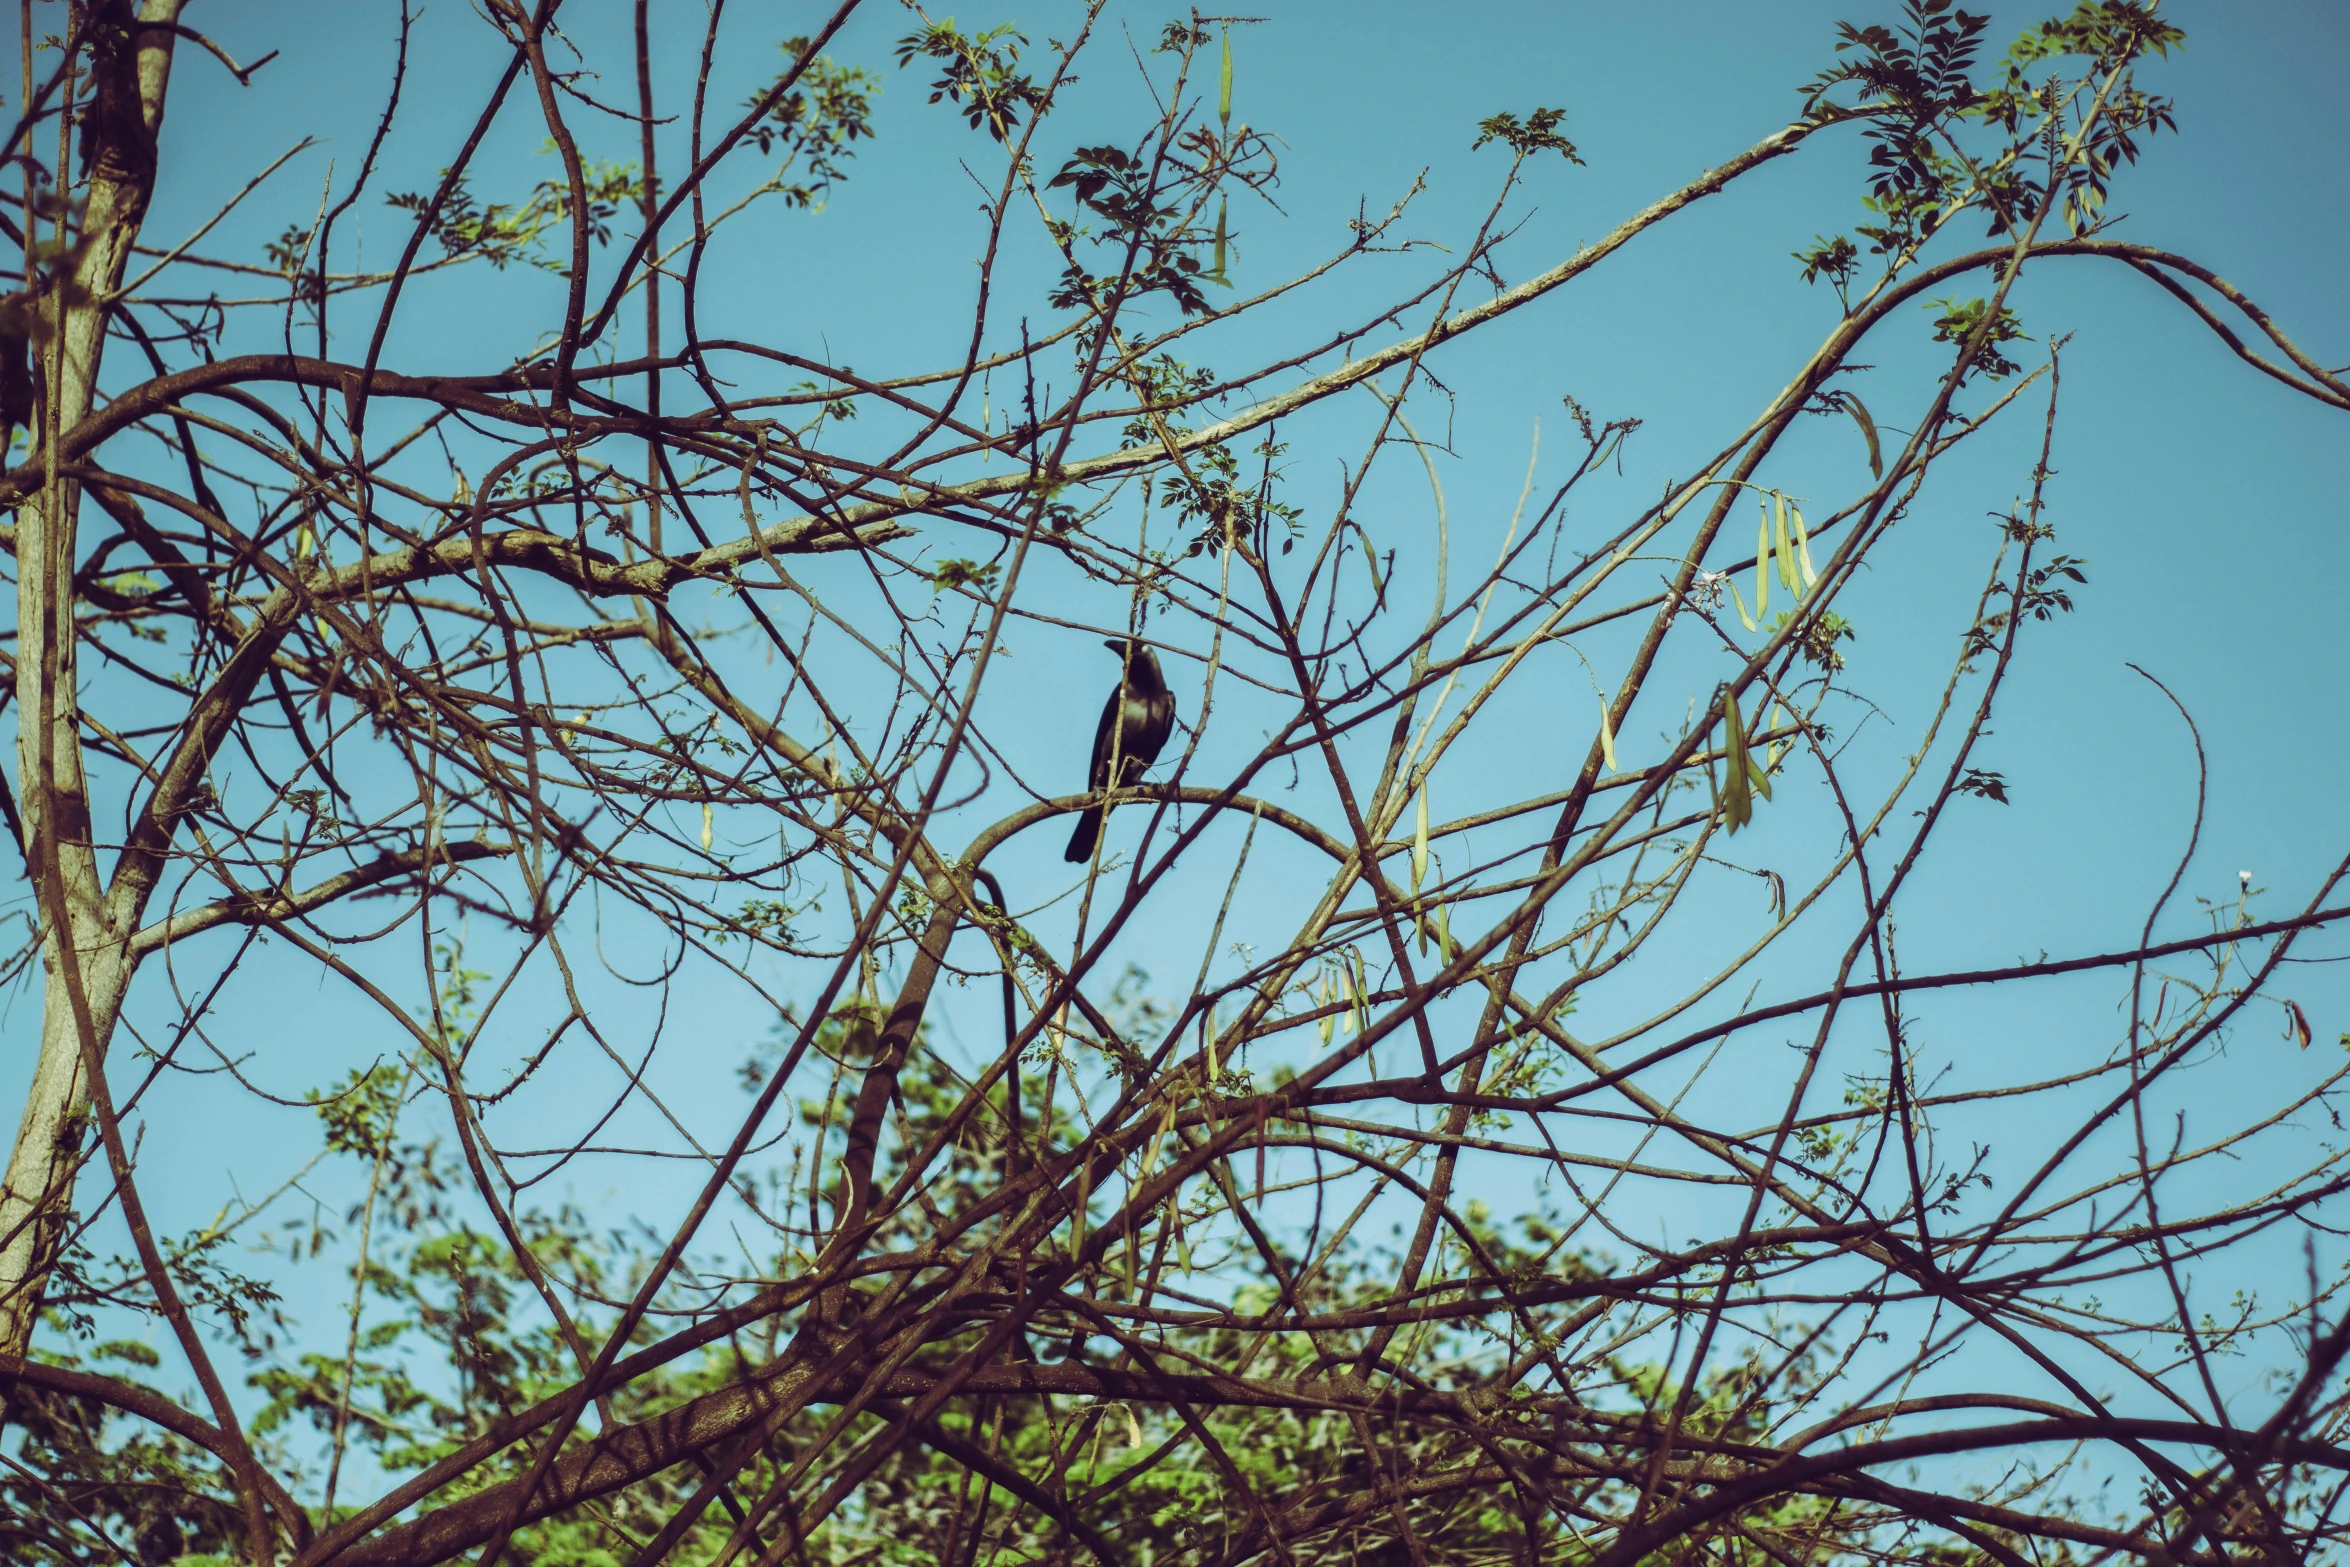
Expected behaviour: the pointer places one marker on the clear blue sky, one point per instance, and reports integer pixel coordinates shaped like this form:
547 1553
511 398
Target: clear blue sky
2209 502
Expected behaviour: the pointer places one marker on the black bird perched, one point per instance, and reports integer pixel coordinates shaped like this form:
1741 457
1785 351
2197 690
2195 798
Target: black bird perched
1136 721
16 375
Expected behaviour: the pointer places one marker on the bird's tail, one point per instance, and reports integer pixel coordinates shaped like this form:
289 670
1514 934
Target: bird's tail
1088 833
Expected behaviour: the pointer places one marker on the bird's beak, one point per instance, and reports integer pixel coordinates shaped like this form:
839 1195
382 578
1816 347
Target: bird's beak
1115 644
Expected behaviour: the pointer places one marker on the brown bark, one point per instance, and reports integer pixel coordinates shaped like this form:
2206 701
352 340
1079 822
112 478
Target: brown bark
129 67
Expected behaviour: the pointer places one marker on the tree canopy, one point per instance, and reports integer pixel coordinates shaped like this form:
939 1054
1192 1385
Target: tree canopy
559 780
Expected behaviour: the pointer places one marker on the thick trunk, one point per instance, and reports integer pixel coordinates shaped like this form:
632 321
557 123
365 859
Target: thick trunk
129 56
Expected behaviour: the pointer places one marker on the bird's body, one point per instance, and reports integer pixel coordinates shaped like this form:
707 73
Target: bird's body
1135 724
17 389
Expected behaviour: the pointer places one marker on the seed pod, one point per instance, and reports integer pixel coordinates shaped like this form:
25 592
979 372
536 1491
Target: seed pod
1785 551
1738 790
1420 842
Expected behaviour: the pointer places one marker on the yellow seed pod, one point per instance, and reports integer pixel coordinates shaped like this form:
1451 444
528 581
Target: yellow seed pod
1786 552
1420 842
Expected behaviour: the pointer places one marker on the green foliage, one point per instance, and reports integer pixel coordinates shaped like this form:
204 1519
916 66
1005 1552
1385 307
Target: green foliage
1132 193
817 125
975 576
2045 595
501 232
1816 639
1983 785
2104 31
164 1499
1538 132
979 72
1834 259
361 1117
1960 320
1912 78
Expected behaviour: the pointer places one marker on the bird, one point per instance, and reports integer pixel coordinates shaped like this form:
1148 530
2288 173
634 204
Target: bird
1136 721
17 390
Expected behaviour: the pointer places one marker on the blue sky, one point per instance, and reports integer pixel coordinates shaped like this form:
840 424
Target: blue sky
2208 501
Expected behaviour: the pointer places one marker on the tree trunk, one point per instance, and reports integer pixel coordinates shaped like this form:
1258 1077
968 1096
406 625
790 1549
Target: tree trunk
128 70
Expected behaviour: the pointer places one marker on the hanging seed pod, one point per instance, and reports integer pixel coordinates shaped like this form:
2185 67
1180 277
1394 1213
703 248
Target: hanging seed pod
1786 552
1223 90
1738 789
1868 431
1420 841
1762 563
1607 738
1224 85
1811 578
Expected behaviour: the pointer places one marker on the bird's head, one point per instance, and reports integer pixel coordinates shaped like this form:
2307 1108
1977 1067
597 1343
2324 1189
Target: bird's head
1130 650
1136 661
